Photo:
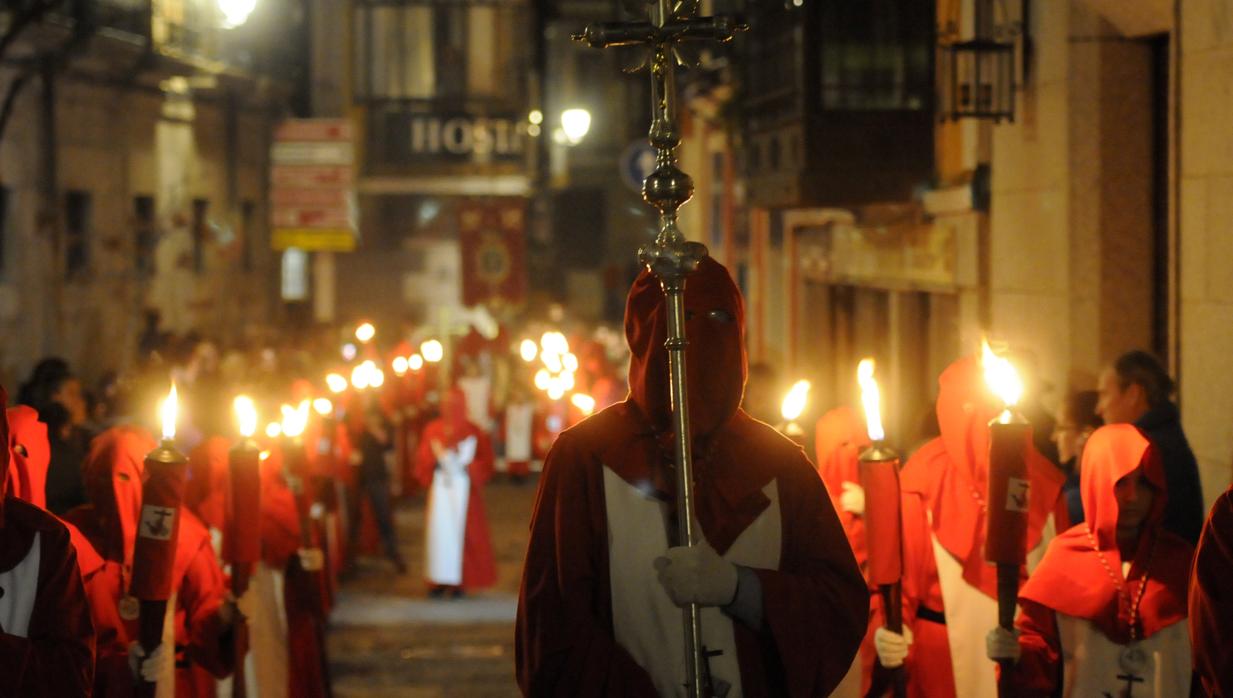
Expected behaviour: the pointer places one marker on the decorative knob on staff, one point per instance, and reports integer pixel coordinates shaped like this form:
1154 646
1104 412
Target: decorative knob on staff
879 476
1009 490
154 553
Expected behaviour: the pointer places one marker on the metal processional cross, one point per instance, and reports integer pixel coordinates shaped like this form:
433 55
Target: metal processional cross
671 257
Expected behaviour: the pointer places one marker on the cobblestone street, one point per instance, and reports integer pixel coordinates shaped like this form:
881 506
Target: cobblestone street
388 639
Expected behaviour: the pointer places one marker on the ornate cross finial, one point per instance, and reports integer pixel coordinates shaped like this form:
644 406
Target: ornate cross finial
670 24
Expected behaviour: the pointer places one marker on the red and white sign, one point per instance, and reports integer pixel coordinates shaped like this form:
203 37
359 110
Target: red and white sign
312 180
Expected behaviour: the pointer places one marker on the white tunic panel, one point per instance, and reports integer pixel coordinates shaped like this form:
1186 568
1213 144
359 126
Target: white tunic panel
20 587
646 622
970 615
1093 662
447 512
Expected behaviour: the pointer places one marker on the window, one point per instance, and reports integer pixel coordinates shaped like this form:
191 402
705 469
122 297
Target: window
876 54
425 50
145 234
78 211
199 230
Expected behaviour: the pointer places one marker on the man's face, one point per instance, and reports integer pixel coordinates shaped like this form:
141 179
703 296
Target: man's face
1118 405
69 396
1134 501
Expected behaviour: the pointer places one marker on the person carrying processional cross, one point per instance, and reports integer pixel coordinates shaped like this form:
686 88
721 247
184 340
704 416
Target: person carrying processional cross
1104 614
784 606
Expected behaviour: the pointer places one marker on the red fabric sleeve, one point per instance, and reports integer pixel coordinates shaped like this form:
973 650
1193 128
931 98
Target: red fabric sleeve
818 585
563 645
208 643
280 524
57 656
482 466
1211 602
1037 673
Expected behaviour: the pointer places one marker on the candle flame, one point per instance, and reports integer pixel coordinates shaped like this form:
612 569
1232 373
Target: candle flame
336 383
400 366
295 419
556 391
871 398
1000 375
168 410
794 402
585 403
542 379
246 415
527 350
264 455
273 430
365 332
323 407
415 362
433 351
570 361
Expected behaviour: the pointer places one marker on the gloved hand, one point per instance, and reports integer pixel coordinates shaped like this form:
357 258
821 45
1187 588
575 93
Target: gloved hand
697 575
891 646
853 498
1002 645
146 667
311 559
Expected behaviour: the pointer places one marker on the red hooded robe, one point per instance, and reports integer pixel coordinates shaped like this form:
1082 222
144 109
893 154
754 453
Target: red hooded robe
814 600
1073 581
1211 602
46 638
943 486
479 568
113 473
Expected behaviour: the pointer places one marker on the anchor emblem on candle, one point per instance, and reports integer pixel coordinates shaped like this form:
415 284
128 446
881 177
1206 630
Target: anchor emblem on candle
156 522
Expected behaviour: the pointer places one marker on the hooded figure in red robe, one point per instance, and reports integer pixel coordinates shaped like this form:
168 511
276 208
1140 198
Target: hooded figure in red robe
1106 608
782 598
949 590
453 462
31 456
203 621
46 638
1211 603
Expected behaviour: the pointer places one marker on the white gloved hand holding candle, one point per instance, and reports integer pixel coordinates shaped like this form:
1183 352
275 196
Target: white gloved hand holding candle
1002 645
697 575
853 499
892 647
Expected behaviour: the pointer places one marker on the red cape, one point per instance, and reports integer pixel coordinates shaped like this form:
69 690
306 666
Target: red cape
1211 603
840 436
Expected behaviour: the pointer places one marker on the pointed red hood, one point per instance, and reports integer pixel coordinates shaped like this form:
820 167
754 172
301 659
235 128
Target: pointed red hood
1072 579
715 357
840 435
454 424
952 471
30 455
207 489
113 473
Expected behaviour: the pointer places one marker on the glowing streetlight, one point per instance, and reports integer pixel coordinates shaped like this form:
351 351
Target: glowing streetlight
432 350
575 123
536 117
236 12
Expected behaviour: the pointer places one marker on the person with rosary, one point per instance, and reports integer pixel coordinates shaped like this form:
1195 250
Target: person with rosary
1104 614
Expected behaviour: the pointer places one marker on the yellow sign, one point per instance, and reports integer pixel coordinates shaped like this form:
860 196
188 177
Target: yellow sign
314 239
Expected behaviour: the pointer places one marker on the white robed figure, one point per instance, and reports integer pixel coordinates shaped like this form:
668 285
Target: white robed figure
447 511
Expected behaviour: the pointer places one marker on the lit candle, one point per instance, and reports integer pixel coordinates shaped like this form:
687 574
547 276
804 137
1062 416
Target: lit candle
154 552
792 407
1009 488
244 461
879 475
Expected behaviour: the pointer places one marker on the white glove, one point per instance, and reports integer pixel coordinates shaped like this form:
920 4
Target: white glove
853 499
311 559
697 575
1002 645
891 646
143 666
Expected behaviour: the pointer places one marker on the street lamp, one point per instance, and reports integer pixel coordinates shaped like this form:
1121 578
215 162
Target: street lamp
236 12
574 125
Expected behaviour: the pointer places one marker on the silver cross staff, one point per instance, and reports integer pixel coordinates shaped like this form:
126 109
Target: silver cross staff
671 258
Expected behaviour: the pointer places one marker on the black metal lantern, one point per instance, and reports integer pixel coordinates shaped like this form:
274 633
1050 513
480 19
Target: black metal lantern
980 80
